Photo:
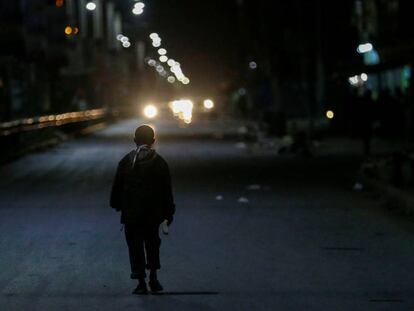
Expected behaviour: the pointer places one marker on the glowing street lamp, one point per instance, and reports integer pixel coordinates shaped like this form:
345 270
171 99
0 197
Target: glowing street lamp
364 77
137 11
208 104
68 30
252 65
139 5
330 114
152 62
91 6
162 51
365 48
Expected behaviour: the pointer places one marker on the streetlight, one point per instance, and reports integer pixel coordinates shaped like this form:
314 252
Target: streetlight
139 5
162 51
91 6
364 77
365 48
137 11
208 104
152 62
330 114
354 80
252 65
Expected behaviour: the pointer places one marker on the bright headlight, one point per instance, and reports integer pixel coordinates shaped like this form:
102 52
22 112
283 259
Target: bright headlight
150 111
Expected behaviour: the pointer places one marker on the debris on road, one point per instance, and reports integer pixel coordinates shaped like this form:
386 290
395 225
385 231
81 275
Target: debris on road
243 200
254 187
241 145
358 186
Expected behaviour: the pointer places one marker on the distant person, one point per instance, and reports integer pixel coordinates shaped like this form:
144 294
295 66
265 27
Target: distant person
142 193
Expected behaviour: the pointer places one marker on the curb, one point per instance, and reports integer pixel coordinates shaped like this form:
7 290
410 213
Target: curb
395 197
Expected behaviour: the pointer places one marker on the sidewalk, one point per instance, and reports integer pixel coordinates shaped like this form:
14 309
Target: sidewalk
393 181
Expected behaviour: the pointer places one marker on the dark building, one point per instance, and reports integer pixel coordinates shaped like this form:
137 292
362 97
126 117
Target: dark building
58 56
386 27
301 48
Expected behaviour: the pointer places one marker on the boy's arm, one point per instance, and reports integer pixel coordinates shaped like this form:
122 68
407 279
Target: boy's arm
116 191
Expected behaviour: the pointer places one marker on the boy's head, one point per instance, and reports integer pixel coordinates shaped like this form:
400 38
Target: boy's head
144 135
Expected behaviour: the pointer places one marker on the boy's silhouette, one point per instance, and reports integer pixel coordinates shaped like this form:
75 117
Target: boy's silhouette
142 193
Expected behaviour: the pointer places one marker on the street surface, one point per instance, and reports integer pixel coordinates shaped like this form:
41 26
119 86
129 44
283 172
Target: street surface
253 231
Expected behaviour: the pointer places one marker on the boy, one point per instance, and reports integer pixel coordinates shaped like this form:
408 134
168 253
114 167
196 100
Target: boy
142 193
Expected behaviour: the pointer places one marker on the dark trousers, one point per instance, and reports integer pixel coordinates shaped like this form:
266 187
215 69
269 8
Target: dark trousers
144 248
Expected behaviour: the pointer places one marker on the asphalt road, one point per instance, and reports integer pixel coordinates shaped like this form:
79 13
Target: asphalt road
253 231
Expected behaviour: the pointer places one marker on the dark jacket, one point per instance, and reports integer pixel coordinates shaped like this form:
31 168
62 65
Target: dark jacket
142 188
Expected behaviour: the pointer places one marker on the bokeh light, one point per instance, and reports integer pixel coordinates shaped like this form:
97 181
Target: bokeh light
91 6
139 5
68 30
152 62
183 109
150 111
162 51
364 77
59 3
365 48
208 104
330 114
137 11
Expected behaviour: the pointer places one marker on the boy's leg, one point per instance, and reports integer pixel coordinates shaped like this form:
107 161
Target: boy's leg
135 242
152 247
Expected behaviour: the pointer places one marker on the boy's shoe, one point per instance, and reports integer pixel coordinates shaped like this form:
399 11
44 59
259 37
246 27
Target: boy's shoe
141 289
155 286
